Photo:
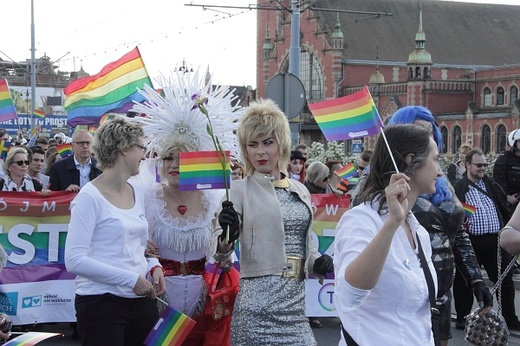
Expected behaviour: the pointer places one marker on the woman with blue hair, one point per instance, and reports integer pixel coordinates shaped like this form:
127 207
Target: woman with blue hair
442 215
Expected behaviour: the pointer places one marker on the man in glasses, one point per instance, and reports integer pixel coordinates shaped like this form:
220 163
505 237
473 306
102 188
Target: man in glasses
478 190
72 173
36 161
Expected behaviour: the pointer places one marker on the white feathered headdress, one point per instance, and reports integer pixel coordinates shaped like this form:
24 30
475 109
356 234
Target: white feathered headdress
177 112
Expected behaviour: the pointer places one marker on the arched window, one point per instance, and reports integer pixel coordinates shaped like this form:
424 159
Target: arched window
311 74
485 139
487 97
457 139
513 94
501 138
444 133
500 96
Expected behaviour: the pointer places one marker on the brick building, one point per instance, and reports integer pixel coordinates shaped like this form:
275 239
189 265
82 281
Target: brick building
460 60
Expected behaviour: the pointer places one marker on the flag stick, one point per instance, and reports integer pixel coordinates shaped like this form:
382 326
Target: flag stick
389 151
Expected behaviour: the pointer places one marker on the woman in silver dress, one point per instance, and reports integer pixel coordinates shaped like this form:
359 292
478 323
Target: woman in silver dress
272 216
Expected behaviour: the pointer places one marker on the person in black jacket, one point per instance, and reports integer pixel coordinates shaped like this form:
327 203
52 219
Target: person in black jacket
506 171
78 169
482 192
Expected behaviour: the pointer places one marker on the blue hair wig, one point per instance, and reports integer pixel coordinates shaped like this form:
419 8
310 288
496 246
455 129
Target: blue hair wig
408 115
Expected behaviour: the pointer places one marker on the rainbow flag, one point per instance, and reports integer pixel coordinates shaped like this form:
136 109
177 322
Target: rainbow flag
347 171
469 210
7 110
30 338
65 150
4 149
347 117
114 89
171 329
39 114
202 170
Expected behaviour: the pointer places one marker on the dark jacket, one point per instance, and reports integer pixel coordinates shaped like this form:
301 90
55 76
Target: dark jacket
450 243
65 173
506 172
494 191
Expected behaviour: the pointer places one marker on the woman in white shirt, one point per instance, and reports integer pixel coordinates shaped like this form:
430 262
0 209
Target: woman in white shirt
381 293
115 302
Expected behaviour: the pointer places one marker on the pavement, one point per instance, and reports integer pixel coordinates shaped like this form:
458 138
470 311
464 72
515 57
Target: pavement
328 335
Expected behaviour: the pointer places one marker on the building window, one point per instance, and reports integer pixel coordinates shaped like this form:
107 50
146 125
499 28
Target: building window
457 139
513 94
487 97
485 139
501 138
311 74
444 133
500 96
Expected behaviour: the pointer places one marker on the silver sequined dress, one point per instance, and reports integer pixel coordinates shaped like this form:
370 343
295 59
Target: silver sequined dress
270 310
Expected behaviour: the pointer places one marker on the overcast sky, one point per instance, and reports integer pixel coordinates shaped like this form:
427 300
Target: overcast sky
95 32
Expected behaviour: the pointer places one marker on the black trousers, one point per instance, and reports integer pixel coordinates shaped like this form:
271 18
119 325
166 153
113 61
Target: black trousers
485 247
114 321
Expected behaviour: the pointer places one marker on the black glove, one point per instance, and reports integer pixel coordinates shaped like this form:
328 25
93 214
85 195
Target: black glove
323 265
481 292
228 220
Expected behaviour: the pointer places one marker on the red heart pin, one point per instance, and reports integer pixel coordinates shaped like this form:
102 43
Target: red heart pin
182 209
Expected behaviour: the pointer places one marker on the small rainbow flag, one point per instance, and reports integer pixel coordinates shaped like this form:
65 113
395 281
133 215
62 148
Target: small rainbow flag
202 170
65 150
30 338
343 185
39 114
4 149
347 171
105 117
469 210
347 117
171 329
7 110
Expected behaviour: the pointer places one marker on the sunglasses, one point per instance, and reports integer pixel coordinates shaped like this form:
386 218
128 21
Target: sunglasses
326 179
22 162
480 165
361 168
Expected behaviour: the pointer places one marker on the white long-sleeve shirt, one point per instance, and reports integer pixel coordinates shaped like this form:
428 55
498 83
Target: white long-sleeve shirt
397 310
105 244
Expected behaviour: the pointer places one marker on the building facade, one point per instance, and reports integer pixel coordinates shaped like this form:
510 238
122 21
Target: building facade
466 68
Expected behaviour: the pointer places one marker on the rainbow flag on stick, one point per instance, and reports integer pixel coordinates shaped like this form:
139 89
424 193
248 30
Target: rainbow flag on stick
65 150
202 170
39 114
469 210
347 117
347 171
30 338
4 149
171 329
7 110
114 89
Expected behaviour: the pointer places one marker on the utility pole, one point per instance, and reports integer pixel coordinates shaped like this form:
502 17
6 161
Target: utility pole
33 69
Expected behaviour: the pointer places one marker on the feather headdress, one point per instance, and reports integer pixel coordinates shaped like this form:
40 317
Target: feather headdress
176 112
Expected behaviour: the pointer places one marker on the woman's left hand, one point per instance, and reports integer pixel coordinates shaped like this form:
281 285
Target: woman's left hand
158 282
45 192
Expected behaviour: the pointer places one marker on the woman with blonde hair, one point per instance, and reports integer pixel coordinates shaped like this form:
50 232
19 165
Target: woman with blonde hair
272 217
317 178
16 167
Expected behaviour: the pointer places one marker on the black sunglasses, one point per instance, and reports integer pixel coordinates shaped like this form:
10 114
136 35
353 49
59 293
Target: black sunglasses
22 162
480 165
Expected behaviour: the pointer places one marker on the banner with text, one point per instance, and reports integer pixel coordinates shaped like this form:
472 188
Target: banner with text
327 209
34 286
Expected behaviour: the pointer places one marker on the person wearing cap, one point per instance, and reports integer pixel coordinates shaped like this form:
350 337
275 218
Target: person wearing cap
296 167
506 171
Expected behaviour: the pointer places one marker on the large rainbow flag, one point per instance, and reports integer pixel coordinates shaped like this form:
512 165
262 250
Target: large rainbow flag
171 329
347 117
7 110
114 89
202 170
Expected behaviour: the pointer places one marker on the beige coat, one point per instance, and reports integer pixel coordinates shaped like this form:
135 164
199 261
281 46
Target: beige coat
262 237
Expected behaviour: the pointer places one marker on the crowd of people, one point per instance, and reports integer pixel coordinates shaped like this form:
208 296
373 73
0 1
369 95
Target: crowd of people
405 245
